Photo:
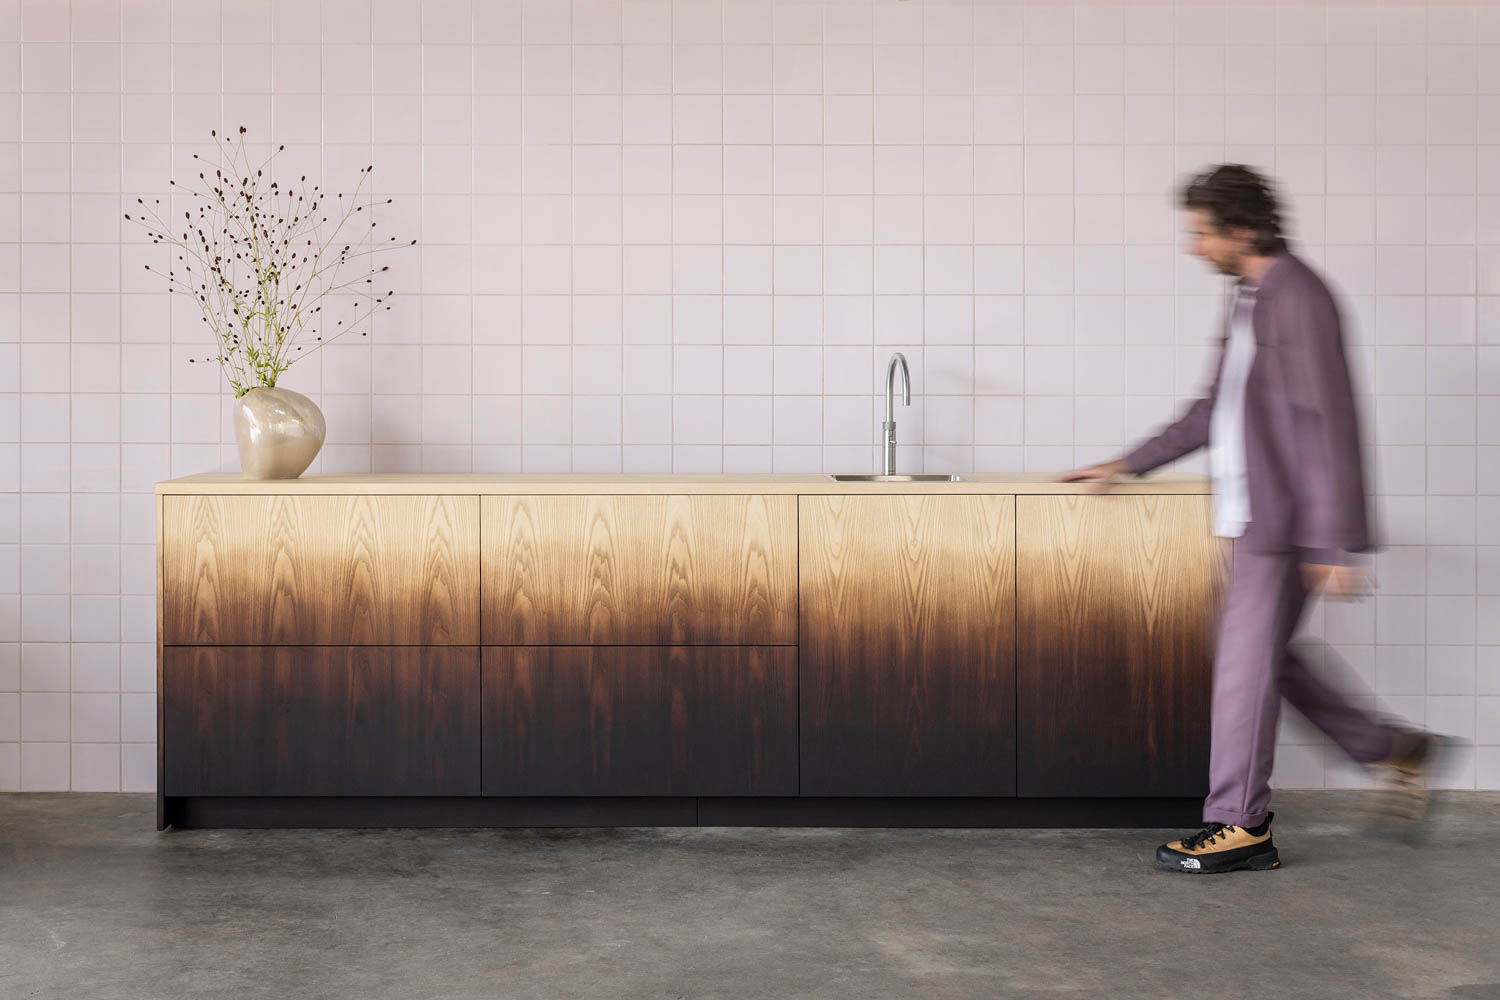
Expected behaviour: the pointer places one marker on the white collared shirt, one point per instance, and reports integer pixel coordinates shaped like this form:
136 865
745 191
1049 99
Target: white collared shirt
1226 428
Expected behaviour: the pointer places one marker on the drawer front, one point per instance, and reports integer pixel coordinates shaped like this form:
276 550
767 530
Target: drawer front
649 570
907 672
1117 602
320 570
640 720
321 720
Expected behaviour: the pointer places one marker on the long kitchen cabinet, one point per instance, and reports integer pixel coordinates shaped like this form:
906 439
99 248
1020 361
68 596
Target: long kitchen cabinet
414 650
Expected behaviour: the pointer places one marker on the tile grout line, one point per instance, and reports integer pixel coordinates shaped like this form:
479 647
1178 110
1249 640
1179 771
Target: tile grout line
1426 386
672 236
72 485
620 366
973 242
572 49
723 265
917 347
521 157
119 399
1021 463
469 49
370 445
1474 646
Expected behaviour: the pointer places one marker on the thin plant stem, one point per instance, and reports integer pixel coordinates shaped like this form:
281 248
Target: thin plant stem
254 255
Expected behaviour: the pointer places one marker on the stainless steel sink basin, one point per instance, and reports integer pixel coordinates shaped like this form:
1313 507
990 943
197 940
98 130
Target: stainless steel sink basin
920 477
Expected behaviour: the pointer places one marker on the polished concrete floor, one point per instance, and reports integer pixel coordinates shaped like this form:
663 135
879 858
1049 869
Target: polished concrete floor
95 904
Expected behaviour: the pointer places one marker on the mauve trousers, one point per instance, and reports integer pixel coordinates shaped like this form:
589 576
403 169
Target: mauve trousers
1254 668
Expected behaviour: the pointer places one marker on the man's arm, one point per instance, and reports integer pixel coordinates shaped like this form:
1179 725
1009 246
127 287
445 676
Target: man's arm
1186 434
1331 519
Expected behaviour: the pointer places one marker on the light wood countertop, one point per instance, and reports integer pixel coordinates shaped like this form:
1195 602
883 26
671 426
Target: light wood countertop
649 483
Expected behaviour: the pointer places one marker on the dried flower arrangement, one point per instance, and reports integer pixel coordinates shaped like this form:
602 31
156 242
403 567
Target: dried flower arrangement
260 259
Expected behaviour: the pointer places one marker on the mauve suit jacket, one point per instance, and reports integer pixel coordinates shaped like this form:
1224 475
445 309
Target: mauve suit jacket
1303 467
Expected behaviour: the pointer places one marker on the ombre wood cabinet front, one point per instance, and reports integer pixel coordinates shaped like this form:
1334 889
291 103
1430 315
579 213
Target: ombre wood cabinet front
677 644
440 645
1034 645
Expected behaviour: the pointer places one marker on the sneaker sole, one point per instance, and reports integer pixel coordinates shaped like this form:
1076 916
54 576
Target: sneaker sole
1259 863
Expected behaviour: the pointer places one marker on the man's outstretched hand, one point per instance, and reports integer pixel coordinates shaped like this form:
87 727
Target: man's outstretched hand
1104 474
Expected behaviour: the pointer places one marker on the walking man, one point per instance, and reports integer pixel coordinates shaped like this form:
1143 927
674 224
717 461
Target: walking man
1288 487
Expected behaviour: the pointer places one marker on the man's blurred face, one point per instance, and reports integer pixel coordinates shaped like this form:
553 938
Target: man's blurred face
1225 250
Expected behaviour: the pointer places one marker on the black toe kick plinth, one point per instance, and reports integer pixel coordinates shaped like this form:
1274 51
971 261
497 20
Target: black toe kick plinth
209 812
950 812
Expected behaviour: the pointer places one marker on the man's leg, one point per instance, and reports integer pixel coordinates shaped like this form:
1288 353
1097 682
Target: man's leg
1263 605
1409 757
1359 733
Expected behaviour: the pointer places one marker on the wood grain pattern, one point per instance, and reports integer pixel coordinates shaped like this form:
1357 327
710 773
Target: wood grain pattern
320 570
907 615
1117 602
640 720
321 720
658 570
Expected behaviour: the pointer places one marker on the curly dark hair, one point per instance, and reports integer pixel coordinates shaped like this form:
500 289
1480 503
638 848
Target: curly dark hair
1236 197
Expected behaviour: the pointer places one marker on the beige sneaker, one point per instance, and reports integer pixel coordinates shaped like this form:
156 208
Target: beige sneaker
1221 847
1400 805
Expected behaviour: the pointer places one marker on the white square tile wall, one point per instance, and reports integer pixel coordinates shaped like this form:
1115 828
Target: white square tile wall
686 235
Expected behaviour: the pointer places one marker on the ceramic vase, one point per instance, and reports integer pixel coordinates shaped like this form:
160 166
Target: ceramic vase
278 432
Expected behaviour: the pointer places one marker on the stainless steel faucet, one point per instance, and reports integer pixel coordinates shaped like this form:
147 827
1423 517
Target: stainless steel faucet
888 462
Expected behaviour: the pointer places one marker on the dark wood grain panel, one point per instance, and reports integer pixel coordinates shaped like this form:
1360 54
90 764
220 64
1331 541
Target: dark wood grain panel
320 570
1118 597
321 720
652 570
906 652
640 720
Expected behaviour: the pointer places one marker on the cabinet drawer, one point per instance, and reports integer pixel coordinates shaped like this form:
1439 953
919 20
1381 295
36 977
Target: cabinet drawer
640 720
1117 601
907 658
320 570
321 720
647 569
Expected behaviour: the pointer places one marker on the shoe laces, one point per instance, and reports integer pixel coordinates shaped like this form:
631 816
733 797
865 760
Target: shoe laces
1208 835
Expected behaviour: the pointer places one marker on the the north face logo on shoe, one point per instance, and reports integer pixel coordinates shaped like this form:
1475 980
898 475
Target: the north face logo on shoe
1191 863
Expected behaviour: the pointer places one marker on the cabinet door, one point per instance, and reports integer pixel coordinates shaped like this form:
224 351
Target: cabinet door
640 720
320 570
647 569
906 641
1118 598
321 720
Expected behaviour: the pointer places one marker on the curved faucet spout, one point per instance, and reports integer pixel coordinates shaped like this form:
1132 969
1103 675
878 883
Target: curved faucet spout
888 451
890 385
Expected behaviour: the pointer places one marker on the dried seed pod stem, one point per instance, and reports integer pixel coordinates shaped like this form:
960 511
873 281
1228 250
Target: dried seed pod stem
262 258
